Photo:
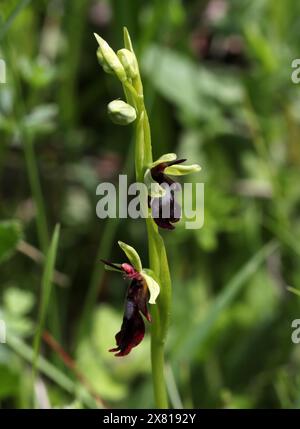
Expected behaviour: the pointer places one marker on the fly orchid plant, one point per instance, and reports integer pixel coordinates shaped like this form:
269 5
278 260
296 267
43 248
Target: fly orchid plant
147 285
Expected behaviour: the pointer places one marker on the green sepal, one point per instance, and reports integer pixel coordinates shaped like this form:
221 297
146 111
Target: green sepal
182 170
167 157
132 255
152 284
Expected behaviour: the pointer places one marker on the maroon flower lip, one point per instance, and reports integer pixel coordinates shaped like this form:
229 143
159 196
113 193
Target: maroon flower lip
158 209
132 331
167 203
133 327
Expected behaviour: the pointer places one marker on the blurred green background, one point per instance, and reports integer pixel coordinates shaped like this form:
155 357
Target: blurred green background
218 87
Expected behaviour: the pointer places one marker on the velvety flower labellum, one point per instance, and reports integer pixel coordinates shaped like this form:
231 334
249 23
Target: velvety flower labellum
167 202
133 328
164 208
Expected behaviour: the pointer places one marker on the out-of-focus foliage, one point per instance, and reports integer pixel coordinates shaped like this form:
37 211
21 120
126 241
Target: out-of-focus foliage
217 77
10 234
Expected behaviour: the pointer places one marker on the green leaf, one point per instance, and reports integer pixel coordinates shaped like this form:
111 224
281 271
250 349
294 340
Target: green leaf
159 265
10 235
132 255
198 91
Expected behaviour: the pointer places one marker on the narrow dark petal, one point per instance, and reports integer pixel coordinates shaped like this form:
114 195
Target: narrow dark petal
177 161
110 264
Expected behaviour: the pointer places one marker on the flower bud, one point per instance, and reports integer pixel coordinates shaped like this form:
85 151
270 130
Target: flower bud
120 112
129 62
103 63
109 60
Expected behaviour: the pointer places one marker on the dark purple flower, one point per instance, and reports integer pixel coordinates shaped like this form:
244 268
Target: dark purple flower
165 209
133 328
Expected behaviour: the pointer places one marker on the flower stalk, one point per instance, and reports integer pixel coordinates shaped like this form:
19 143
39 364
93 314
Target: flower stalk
126 62
157 253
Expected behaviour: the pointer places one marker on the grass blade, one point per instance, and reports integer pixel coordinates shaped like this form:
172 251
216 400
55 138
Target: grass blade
293 290
172 389
45 293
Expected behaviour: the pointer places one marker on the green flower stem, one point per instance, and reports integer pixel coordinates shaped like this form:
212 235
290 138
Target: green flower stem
157 253
35 186
158 362
160 316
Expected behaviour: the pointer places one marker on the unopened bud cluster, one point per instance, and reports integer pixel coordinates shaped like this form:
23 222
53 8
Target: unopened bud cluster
124 66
